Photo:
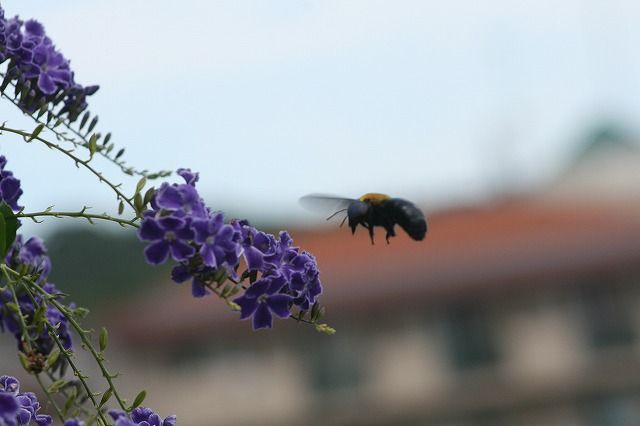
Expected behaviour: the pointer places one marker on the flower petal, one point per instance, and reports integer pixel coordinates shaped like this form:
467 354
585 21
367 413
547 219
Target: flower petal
248 306
208 256
180 274
157 252
254 257
170 223
258 288
198 289
150 230
279 305
46 84
8 404
181 251
262 317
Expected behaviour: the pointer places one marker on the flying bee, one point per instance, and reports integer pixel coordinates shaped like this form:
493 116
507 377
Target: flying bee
372 210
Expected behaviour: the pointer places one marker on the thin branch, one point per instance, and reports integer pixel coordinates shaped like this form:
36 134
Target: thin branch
82 215
28 138
49 298
50 398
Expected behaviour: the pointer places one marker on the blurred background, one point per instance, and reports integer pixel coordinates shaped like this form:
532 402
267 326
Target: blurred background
513 124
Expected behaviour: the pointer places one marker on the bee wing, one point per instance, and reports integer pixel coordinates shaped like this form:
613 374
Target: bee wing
325 203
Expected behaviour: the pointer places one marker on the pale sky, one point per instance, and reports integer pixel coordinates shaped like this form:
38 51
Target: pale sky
432 101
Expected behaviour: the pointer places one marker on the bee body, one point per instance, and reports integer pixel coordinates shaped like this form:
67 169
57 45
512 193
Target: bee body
386 213
374 209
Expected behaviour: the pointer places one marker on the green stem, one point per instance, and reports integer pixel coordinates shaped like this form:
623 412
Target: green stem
76 371
65 394
79 330
26 338
78 161
63 351
50 398
81 214
83 337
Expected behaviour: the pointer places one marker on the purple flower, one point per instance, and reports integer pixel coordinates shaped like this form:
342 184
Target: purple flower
19 409
168 234
220 243
50 69
40 72
182 199
181 273
304 280
8 405
31 255
209 251
42 343
190 177
74 422
262 299
141 416
9 186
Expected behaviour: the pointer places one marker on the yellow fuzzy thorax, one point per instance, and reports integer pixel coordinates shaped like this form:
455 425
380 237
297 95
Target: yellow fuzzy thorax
374 198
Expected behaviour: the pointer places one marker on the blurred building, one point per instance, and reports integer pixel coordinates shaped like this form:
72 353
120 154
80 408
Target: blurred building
524 310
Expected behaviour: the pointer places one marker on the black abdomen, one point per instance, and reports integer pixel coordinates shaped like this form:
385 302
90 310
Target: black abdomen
408 216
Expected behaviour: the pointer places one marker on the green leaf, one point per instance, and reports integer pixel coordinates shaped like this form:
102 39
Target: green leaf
220 276
8 227
317 312
139 399
141 183
226 290
43 110
35 132
137 202
70 400
92 124
53 358
106 139
119 154
85 117
93 144
39 319
80 312
56 386
148 195
5 82
12 307
120 207
105 397
104 336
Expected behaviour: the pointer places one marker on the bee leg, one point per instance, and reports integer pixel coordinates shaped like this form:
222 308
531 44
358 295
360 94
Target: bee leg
390 232
370 224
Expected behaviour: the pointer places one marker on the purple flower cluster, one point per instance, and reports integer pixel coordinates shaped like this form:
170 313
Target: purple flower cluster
9 186
19 409
31 257
180 226
41 73
140 416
